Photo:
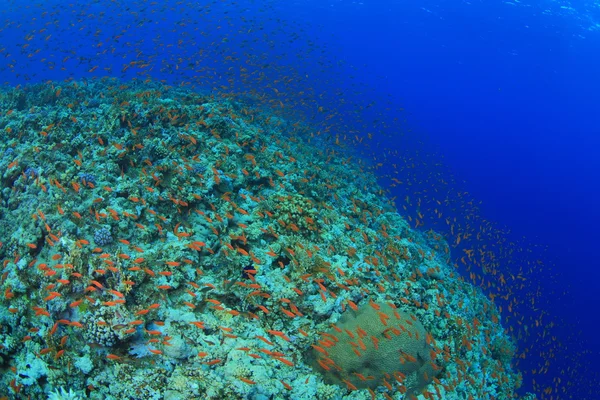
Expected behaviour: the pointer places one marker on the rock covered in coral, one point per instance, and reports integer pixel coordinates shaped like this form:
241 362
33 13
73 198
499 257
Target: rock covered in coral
373 345
107 326
164 228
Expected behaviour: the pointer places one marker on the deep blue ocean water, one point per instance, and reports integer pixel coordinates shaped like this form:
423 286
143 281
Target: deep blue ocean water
505 93
508 92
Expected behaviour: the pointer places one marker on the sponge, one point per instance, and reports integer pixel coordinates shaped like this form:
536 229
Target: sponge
374 345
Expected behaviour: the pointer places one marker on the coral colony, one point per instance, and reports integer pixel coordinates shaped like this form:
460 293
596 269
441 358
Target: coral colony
158 243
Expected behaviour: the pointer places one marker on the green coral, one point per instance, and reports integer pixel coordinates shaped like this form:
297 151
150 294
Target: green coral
363 351
295 213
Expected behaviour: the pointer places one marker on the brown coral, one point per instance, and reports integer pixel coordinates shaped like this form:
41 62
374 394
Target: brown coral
375 345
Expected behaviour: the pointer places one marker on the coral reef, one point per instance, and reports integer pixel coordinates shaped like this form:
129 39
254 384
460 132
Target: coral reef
159 243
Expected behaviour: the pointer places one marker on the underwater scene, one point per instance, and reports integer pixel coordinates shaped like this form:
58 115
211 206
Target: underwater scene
200 200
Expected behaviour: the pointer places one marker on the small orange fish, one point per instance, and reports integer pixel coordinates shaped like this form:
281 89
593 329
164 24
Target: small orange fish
173 263
75 303
352 305
116 293
285 361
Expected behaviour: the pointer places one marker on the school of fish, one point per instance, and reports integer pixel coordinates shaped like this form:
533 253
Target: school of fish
201 235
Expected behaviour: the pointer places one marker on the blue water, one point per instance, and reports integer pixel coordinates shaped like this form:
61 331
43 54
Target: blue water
509 94
506 93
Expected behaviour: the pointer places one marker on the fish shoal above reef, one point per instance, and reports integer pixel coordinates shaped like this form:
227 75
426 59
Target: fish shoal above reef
160 243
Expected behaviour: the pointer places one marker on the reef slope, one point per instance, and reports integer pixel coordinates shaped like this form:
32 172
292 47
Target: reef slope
163 244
